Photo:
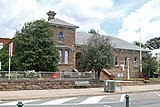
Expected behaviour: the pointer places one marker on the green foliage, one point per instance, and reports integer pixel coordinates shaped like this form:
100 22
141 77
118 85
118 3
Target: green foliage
137 43
93 31
32 74
149 65
96 54
153 43
158 70
34 48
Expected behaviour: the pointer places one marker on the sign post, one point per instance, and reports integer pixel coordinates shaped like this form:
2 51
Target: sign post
10 55
0 65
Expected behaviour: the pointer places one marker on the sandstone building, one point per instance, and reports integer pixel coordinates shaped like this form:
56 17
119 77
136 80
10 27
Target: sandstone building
69 43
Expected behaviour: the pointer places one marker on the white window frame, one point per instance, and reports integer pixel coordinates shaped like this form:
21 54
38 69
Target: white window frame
60 57
135 62
66 56
61 36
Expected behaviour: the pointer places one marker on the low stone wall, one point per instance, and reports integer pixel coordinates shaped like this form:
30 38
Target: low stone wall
42 84
11 85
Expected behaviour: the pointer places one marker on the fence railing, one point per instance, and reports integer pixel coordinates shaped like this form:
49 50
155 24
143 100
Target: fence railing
45 75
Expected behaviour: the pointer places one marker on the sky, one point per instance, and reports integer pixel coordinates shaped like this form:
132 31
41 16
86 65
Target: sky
130 20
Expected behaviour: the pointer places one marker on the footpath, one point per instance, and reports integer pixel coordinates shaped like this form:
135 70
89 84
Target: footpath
59 93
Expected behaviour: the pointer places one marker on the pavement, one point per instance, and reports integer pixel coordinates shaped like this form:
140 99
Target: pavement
59 93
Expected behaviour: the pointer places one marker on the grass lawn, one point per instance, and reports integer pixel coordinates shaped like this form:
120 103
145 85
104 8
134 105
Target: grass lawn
154 79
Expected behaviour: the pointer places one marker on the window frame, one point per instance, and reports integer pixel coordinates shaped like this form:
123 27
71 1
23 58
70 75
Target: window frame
116 61
135 62
60 57
66 57
61 37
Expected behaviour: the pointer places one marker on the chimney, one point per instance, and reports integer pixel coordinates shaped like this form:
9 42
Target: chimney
51 15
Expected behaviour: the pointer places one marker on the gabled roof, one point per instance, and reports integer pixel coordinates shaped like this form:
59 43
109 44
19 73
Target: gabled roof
81 39
58 22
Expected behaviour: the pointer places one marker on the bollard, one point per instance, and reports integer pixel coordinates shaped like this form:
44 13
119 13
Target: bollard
20 104
127 100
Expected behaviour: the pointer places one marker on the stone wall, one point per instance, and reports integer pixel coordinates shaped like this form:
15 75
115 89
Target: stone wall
42 84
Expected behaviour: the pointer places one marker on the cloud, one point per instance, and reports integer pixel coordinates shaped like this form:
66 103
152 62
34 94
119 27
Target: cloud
14 13
147 17
87 14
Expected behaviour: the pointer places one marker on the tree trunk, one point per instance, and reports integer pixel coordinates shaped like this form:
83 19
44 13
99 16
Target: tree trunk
99 72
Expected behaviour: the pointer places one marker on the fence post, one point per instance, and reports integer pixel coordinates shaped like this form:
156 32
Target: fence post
16 75
60 74
40 76
127 100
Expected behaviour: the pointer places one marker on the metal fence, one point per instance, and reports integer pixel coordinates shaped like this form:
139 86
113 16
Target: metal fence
45 75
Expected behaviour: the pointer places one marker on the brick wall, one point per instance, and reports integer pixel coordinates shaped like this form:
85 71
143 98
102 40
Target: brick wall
4 41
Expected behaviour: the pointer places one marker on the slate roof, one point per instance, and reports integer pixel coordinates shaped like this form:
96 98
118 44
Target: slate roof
81 39
58 22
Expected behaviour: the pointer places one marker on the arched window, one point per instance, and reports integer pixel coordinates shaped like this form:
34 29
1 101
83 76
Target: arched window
66 57
116 60
60 57
61 37
135 62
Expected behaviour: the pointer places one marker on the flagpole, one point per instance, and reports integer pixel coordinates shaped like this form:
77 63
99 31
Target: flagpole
9 68
10 55
140 54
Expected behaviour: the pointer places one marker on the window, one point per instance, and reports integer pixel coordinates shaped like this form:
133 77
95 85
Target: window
125 61
61 37
116 60
60 57
1 45
66 57
135 62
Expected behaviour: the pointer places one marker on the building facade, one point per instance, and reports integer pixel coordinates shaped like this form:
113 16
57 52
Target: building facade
69 43
3 42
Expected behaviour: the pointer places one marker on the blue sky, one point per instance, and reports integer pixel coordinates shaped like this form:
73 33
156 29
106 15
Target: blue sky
119 18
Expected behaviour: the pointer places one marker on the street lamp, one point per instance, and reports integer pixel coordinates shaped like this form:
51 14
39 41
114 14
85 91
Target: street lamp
128 75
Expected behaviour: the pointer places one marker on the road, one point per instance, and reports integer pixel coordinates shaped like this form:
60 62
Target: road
145 99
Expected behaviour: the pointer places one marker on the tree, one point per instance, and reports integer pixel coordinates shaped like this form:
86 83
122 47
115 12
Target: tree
34 48
96 54
137 43
93 31
153 43
149 65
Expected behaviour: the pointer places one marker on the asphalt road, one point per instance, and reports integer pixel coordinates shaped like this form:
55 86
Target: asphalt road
145 99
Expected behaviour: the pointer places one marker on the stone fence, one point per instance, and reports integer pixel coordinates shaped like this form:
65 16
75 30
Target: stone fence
42 84
10 85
